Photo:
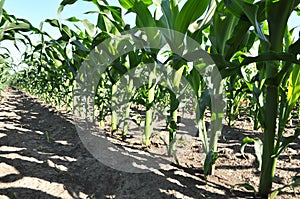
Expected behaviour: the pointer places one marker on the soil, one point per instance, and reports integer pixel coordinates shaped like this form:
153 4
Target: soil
42 156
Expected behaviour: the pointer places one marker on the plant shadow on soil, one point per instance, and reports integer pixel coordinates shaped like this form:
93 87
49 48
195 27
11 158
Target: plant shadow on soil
42 156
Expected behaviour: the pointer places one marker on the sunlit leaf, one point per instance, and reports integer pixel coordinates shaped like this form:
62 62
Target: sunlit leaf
190 12
286 141
127 4
1 11
73 19
90 28
293 89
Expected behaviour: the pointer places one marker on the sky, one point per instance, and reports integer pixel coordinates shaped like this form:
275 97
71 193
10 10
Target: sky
39 10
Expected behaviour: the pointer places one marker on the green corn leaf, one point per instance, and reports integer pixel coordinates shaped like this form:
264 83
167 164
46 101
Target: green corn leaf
239 38
286 141
294 184
251 11
234 8
178 76
66 32
163 15
189 13
53 22
247 186
245 141
205 101
116 13
293 95
274 193
103 23
277 25
293 89
98 3
1 9
73 19
194 79
56 61
127 4
67 2
271 56
62 5
100 38
91 12
33 29
134 59
222 29
12 27
90 28
80 46
16 27
144 17
109 19
201 24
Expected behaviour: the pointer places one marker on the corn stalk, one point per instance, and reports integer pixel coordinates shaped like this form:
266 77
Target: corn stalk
149 111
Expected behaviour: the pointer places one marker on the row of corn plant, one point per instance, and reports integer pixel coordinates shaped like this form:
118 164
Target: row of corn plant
53 63
169 15
15 31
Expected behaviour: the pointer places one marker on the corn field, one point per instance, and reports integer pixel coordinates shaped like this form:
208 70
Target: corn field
256 74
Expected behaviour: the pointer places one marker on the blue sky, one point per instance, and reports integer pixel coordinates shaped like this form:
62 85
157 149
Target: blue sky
39 10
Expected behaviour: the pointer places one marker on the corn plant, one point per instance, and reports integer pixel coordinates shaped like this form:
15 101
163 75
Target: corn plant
15 30
274 72
228 36
6 63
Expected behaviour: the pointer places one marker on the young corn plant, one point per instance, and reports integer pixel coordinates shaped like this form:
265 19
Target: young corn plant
274 71
149 111
134 59
228 35
129 62
237 92
174 103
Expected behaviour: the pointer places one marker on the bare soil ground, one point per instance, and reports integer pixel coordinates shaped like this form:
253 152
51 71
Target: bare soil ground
42 156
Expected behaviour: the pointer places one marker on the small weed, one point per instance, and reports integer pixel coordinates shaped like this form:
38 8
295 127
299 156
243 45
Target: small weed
47 137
